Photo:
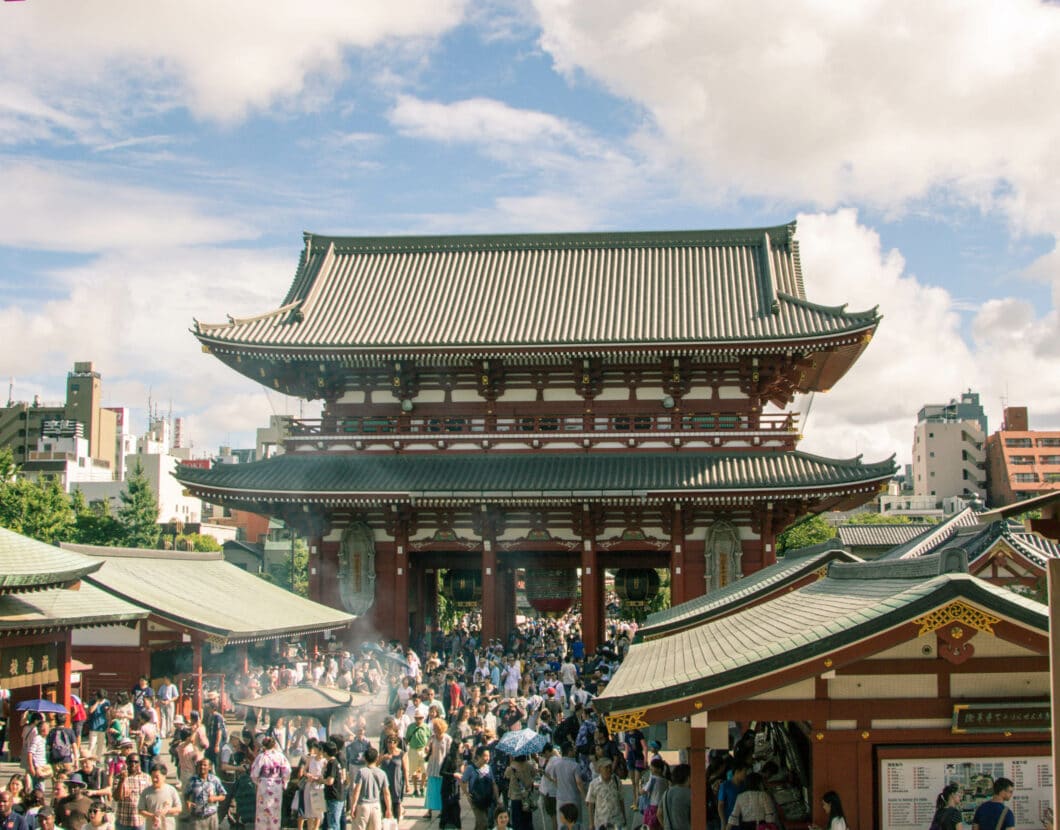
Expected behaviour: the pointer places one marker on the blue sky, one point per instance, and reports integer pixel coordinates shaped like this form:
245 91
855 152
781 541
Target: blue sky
159 163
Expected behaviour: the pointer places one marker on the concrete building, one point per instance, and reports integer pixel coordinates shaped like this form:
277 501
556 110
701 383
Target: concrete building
1021 462
21 423
62 453
949 458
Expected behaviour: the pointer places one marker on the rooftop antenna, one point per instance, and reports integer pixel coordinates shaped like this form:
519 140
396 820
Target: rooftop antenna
11 392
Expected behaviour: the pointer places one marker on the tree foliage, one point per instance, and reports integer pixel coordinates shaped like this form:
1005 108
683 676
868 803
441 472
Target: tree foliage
138 514
810 531
94 524
281 572
39 509
869 518
198 542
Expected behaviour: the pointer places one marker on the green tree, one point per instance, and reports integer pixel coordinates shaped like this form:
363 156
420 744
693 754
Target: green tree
198 542
95 524
38 509
810 531
138 514
868 518
8 468
281 572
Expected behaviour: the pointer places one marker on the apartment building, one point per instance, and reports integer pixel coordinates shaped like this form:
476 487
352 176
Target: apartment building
1021 462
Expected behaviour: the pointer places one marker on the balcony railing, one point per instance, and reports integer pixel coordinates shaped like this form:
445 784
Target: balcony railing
415 427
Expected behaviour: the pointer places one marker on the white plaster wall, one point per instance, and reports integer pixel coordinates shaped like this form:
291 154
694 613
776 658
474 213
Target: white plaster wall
867 686
1032 684
802 690
109 635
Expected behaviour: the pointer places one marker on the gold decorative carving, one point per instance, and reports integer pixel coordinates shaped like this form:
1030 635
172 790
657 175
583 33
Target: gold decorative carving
821 573
624 721
960 612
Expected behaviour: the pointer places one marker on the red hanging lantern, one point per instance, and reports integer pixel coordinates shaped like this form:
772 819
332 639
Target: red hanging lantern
463 588
636 587
551 591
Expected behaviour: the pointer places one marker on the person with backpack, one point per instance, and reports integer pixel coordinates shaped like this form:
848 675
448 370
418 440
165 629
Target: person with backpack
62 746
995 814
480 788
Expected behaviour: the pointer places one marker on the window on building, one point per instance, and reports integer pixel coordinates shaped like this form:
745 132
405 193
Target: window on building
1021 459
1051 477
1049 442
1025 478
931 455
931 435
1049 459
1018 443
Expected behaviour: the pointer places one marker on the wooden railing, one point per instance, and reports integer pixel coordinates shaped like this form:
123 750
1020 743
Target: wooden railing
401 426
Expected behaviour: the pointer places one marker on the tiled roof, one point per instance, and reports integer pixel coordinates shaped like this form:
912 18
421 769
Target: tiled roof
26 564
521 475
206 593
54 609
978 540
392 294
882 536
930 539
741 591
797 627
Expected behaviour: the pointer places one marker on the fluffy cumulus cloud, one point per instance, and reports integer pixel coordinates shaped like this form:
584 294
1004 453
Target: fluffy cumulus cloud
219 60
65 207
918 355
578 178
129 312
837 101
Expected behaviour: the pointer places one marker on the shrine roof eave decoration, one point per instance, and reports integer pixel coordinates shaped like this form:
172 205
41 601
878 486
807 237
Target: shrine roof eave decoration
804 633
29 565
363 478
756 587
365 300
204 593
60 609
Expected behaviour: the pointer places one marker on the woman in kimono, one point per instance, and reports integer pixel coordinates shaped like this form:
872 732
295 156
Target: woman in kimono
270 773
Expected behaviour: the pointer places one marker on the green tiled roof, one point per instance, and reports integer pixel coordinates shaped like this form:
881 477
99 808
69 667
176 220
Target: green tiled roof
935 535
796 627
744 590
879 536
57 609
26 564
393 294
206 593
527 475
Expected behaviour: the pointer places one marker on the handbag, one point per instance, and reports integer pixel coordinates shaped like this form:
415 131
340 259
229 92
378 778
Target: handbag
389 824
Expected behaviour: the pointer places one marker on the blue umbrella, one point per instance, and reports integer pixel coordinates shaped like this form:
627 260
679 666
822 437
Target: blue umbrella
39 705
521 742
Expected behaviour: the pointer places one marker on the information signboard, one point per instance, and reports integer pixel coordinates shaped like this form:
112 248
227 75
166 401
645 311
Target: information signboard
908 787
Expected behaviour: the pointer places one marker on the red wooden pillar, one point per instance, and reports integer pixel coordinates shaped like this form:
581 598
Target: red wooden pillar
592 610
677 556
65 656
196 670
489 592
401 581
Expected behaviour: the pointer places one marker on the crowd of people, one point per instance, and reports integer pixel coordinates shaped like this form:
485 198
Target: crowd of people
498 731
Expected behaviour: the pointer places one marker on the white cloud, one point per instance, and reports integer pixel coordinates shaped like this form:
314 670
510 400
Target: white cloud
220 60
918 355
60 208
482 121
834 102
130 313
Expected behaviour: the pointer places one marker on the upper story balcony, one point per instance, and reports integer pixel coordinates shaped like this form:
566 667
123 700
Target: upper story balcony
483 432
